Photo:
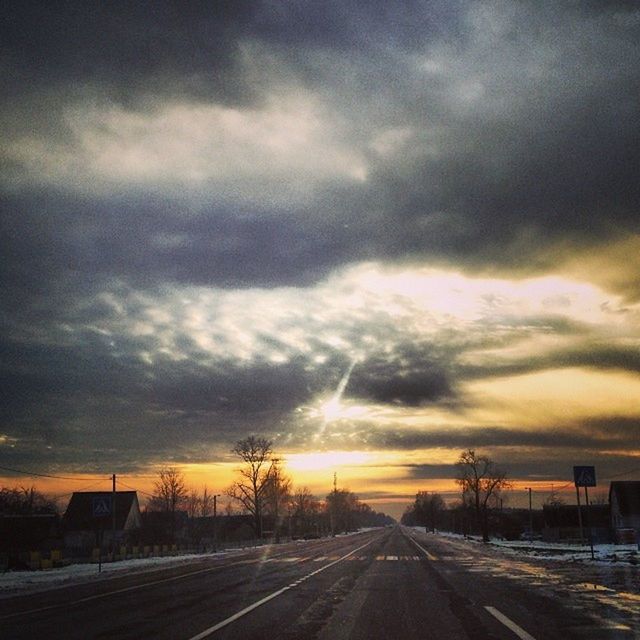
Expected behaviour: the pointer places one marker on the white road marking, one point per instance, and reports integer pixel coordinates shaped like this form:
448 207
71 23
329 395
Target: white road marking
510 624
207 632
136 587
430 556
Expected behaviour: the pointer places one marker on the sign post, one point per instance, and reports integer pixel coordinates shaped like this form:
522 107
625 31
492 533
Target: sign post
585 476
100 509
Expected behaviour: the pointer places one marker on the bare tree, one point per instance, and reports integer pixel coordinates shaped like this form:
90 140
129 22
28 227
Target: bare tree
25 501
170 493
340 506
277 495
193 503
304 510
554 499
170 490
427 509
206 502
481 482
250 489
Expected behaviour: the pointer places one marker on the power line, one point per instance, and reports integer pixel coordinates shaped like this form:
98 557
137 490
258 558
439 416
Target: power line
46 475
124 484
624 473
85 488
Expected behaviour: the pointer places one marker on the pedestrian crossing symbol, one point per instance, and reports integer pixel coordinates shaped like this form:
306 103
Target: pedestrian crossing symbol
101 506
584 476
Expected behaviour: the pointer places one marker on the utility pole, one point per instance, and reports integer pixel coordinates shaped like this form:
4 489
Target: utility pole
215 522
530 519
113 519
332 515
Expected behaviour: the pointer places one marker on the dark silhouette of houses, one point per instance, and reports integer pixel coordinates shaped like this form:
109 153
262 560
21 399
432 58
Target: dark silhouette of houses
21 534
86 519
562 523
624 499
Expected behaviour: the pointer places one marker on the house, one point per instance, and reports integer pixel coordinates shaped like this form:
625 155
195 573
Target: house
89 518
624 498
562 523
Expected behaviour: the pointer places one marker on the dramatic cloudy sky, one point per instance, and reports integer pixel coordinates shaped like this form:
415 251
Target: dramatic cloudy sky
377 233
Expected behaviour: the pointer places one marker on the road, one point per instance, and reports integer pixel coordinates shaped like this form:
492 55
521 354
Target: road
390 583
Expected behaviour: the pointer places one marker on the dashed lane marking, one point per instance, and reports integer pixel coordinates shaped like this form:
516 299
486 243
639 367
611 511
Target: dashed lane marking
207 632
429 555
361 558
510 624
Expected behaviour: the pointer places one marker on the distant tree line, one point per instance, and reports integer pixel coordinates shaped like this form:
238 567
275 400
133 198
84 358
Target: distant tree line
25 501
481 482
262 492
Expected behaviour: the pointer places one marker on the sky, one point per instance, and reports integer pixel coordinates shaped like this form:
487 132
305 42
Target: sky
377 234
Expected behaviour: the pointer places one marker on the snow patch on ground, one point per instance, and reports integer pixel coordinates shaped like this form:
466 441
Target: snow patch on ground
12 582
603 553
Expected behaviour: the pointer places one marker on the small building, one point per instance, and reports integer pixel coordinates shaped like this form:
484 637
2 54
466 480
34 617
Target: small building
562 523
624 499
89 518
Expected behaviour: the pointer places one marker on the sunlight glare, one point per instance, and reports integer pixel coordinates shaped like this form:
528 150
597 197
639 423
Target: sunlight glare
326 460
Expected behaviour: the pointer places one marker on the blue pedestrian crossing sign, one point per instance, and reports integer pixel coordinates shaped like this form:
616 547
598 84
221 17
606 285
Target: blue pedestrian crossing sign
101 506
584 476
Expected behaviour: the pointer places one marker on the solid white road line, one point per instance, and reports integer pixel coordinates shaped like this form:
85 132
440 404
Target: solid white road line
519 631
207 632
430 556
135 587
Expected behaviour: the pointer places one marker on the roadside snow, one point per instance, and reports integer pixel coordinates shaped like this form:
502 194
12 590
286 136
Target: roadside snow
604 553
12 582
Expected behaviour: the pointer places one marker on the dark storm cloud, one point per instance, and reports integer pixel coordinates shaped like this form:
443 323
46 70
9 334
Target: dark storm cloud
589 355
414 375
129 47
523 131
615 432
59 404
48 240
476 134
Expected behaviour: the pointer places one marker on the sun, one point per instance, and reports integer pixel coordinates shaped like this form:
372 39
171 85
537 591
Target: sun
331 410
326 460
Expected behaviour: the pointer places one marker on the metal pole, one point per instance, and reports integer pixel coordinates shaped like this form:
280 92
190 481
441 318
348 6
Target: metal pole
580 515
588 523
100 549
215 523
113 519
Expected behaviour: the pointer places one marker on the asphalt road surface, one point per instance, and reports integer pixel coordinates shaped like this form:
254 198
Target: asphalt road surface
390 583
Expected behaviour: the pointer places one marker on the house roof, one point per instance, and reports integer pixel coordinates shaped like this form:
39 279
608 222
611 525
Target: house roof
79 515
627 494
